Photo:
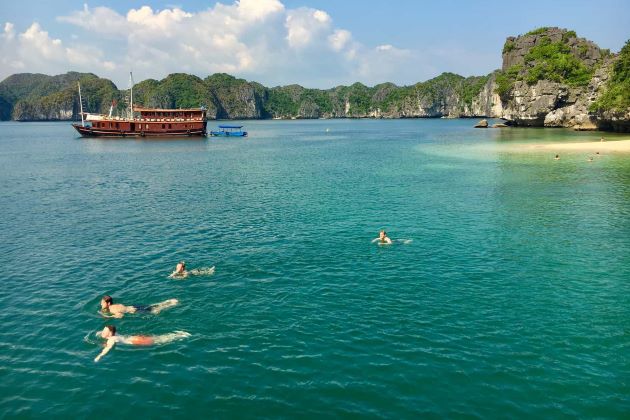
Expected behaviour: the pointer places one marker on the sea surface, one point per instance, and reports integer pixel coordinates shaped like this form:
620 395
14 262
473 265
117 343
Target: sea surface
506 292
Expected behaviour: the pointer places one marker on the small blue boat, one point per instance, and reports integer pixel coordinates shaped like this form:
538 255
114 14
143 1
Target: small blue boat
229 131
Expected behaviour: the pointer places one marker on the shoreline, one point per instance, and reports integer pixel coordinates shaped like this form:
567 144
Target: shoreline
622 145
594 146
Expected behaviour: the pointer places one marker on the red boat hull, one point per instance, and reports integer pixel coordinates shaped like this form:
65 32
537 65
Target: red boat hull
104 132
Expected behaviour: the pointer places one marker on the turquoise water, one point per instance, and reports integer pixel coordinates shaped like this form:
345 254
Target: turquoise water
506 292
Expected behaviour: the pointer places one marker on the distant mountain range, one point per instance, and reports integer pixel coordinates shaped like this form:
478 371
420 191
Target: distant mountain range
549 77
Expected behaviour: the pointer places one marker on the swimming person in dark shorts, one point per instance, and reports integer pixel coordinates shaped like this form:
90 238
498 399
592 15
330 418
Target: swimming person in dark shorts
117 310
109 333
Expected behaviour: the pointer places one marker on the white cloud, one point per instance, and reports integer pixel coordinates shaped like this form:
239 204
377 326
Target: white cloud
321 16
252 10
339 39
304 26
385 47
260 40
38 41
35 51
100 20
9 33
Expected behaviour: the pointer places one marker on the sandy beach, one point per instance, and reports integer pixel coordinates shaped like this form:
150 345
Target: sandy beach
595 146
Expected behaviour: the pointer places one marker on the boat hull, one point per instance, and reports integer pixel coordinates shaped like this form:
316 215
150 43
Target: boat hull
104 132
228 134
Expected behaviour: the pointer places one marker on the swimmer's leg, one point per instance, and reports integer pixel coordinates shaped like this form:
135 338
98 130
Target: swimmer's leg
167 338
156 308
203 271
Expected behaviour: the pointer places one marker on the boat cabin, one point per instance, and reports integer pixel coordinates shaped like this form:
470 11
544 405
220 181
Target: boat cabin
157 114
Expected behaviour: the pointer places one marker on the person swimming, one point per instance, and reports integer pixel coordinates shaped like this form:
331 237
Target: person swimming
117 310
180 270
109 333
557 157
382 239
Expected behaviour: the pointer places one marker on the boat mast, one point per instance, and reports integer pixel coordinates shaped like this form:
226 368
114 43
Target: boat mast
81 105
131 95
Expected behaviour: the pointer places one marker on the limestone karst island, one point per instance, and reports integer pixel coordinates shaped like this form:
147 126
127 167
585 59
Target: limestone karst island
550 77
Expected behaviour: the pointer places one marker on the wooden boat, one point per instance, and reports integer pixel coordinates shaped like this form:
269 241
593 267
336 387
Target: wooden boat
229 131
151 122
143 122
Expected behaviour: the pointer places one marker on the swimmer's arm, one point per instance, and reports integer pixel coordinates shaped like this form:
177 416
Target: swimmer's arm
376 239
110 315
108 347
388 241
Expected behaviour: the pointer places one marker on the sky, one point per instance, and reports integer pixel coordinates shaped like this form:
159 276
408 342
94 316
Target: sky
315 43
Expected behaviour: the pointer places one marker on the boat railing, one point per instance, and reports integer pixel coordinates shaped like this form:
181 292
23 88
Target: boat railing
98 117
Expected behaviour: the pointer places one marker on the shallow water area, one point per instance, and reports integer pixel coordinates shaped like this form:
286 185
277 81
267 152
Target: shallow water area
506 290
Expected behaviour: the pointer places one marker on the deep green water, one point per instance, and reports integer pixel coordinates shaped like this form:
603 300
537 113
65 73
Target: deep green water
512 298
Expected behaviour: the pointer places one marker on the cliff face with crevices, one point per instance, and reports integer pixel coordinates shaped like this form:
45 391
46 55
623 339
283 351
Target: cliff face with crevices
552 78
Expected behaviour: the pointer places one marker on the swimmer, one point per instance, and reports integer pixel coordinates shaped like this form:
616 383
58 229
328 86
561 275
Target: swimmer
109 333
590 159
602 139
557 157
117 310
382 238
180 270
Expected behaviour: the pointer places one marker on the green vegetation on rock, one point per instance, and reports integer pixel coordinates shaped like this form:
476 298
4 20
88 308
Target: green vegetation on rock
505 81
554 61
471 88
37 97
550 54
508 46
40 97
177 90
538 31
616 96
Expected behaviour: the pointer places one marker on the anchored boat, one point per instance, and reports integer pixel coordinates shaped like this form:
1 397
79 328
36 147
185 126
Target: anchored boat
229 131
143 122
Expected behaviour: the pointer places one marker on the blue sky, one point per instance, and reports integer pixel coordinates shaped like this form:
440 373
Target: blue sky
316 43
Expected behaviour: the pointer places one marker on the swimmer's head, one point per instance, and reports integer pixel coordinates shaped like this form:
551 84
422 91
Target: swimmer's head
106 301
108 331
382 234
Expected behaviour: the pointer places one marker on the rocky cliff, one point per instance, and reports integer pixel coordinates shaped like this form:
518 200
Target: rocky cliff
35 97
552 78
549 77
